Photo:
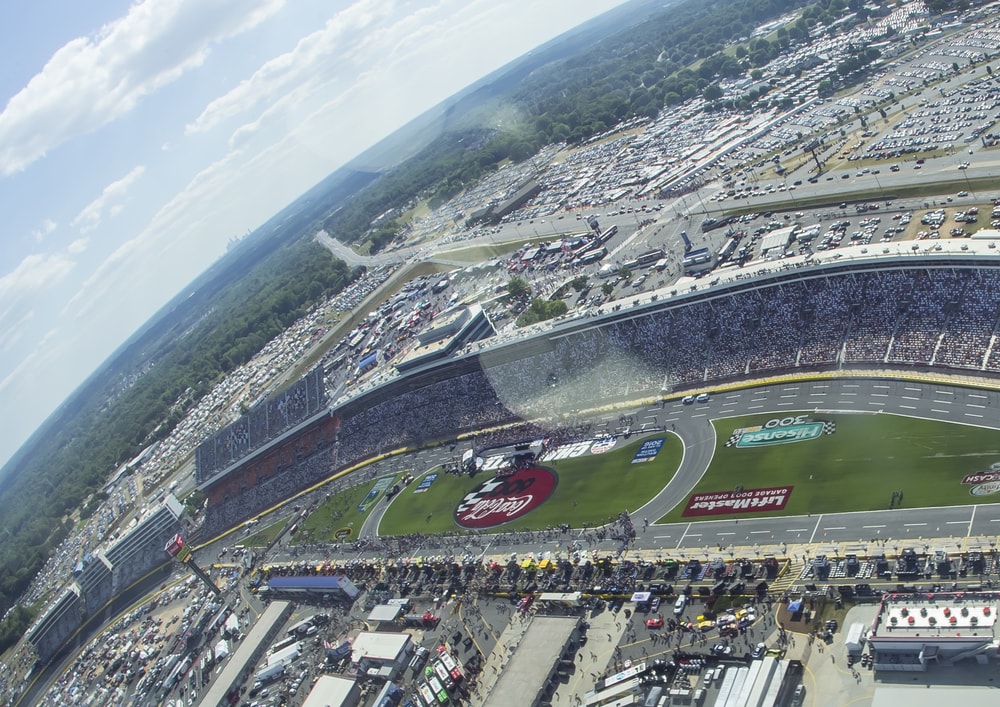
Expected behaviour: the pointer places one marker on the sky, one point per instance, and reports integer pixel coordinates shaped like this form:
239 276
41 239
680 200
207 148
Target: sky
137 138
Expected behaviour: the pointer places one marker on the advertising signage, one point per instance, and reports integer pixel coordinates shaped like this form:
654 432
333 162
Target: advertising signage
785 430
745 501
501 500
648 450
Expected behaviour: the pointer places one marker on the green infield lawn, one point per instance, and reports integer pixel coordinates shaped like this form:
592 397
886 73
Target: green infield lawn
856 468
337 512
264 536
591 489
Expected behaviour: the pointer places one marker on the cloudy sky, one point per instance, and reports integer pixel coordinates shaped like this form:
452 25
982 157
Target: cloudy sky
137 138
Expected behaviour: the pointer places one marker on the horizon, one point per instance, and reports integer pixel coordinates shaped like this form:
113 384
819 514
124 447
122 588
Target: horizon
137 140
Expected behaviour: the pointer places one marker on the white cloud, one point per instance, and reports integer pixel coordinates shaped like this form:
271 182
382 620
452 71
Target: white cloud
23 286
92 81
90 217
41 351
40 233
276 76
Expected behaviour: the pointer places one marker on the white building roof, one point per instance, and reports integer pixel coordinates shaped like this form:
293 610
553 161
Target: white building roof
331 691
379 646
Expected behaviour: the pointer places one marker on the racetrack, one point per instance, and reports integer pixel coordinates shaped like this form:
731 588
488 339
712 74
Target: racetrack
896 528
934 401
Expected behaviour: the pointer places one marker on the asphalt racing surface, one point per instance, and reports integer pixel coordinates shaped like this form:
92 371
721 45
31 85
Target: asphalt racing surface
692 423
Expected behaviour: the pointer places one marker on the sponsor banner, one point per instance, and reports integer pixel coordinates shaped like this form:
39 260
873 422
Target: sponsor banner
987 489
746 501
602 445
425 483
174 546
380 486
981 477
500 501
783 430
566 451
648 450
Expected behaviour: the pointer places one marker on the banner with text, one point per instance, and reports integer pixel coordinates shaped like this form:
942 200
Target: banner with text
648 450
426 482
745 501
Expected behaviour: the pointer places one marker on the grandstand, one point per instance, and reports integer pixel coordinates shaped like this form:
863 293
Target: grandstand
104 574
265 422
140 549
57 623
933 310
95 582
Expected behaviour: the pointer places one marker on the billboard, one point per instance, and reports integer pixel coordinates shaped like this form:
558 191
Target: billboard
174 545
648 450
425 483
745 501
783 430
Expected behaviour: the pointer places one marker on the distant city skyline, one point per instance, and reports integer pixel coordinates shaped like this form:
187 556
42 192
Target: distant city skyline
137 139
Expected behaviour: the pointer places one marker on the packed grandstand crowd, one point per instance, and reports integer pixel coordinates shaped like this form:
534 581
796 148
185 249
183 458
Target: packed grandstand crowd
264 422
930 316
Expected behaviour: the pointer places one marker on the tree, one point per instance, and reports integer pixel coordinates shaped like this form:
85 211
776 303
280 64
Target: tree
712 92
579 283
607 289
539 311
518 287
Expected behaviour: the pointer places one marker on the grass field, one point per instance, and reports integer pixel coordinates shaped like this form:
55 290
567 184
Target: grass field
264 536
338 511
591 489
858 467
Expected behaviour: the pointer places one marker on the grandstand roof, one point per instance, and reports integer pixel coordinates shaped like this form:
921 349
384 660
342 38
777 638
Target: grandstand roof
321 583
531 663
248 651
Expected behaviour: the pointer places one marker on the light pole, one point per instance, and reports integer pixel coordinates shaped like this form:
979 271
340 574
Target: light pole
965 173
881 193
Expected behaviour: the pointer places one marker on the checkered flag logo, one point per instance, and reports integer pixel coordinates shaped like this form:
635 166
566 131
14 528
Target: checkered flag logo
734 438
829 427
472 498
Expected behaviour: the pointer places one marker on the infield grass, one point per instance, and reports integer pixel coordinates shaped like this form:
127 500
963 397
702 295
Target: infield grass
858 467
264 536
338 511
591 489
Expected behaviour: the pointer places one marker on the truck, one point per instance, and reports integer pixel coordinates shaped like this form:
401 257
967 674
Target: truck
285 656
269 673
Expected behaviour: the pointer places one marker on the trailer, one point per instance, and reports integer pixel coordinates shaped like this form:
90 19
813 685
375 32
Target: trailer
286 655
271 672
854 642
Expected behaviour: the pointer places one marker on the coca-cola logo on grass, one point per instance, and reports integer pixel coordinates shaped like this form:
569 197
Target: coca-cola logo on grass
500 501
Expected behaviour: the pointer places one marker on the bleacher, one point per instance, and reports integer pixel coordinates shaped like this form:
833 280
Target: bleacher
262 423
899 313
